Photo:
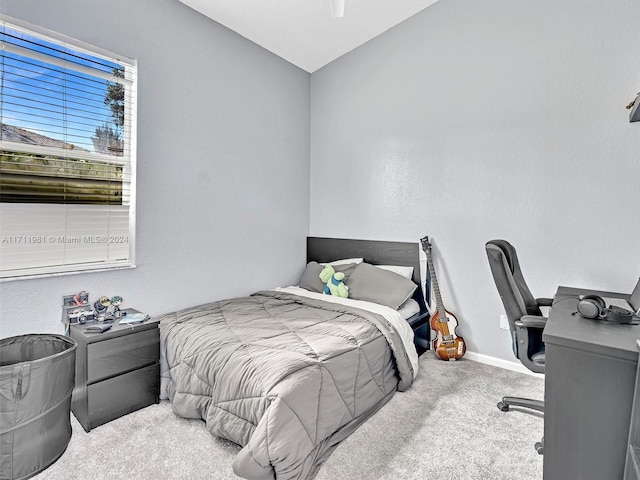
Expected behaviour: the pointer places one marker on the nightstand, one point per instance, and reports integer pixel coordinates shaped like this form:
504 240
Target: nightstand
117 371
421 329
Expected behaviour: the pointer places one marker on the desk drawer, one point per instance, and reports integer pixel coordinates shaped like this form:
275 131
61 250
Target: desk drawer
121 354
121 395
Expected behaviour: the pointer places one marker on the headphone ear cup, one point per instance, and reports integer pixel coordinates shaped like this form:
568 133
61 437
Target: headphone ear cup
591 306
618 315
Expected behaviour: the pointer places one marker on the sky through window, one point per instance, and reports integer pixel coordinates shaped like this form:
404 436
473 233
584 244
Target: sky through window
60 98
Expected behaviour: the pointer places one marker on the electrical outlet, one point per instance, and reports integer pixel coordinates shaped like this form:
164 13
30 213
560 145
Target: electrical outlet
504 323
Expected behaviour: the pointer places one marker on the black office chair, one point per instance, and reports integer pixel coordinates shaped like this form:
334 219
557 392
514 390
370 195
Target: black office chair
526 320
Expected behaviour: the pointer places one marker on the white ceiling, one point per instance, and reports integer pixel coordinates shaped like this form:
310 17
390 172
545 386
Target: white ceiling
303 31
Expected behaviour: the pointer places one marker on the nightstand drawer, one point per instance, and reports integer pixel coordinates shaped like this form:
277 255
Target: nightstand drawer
123 394
121 354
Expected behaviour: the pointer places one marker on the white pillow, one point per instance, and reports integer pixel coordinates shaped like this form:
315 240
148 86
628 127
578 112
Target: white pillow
345 261
406 272
409 308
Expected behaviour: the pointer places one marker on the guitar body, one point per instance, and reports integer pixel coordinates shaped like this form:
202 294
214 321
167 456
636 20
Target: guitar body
447 345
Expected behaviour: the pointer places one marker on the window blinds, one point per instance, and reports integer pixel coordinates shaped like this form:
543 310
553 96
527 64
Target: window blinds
67 154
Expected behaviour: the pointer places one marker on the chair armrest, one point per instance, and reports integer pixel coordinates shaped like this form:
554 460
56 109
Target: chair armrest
544 302
531 321
527 328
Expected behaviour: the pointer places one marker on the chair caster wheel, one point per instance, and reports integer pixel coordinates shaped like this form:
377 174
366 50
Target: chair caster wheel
503 407
539 448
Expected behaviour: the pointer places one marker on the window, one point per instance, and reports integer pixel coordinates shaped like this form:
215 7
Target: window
67 154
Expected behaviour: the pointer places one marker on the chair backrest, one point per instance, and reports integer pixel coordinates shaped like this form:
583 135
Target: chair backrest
517 300
514 292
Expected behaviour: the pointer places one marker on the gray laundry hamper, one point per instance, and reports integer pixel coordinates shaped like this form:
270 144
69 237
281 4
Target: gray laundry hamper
37 374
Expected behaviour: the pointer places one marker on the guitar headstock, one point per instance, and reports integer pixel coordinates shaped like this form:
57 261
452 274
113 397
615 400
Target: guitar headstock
426 246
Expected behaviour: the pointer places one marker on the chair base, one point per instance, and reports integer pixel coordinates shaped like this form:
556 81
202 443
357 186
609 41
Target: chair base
537 405
507 402
539 446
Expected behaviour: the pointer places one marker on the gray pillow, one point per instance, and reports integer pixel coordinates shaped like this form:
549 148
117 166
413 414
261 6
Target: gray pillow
372 284
310 279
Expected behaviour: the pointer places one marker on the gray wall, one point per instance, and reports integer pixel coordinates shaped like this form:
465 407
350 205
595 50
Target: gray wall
223 162
479 120
470 121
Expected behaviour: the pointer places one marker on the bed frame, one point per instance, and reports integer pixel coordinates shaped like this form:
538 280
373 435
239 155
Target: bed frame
377 252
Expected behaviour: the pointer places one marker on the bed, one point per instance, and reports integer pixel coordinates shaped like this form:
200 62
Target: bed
288 373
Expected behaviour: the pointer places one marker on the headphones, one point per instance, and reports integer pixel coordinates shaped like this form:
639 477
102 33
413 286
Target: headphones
593 306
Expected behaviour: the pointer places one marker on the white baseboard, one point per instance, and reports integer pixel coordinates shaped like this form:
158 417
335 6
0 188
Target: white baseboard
499 362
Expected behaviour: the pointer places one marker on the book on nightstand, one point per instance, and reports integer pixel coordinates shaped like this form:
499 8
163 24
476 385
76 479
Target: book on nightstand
133 318
99 328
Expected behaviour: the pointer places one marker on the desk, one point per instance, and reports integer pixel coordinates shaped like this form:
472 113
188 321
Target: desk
590 376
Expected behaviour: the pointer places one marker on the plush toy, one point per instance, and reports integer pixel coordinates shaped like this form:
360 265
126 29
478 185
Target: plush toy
333 282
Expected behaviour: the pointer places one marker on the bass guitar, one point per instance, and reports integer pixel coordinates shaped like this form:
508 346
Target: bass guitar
447 345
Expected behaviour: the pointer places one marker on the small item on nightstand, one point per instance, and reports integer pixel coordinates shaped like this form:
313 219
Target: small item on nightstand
76 308
97 328
80 298
100 306
129 318
116 302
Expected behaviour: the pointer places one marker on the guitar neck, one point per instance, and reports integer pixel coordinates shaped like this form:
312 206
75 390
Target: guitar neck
436 288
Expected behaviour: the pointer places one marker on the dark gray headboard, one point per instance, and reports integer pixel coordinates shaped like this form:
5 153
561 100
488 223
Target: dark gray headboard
375 252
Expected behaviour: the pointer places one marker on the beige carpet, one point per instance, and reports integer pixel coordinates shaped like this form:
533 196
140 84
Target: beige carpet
446 427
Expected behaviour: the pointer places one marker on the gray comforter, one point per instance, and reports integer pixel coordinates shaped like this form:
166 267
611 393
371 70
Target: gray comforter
286 377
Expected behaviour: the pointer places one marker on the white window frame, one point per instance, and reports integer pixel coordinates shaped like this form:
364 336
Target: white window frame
129 166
